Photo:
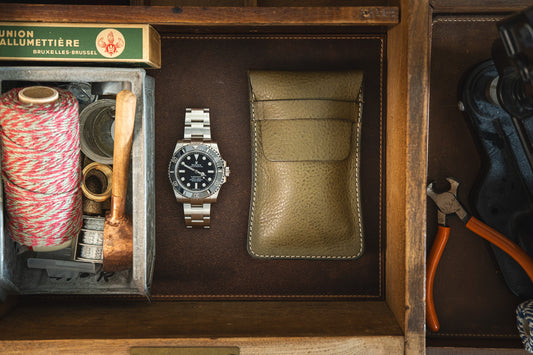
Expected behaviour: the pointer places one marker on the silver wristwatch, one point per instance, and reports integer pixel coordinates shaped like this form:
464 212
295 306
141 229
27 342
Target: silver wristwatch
196 170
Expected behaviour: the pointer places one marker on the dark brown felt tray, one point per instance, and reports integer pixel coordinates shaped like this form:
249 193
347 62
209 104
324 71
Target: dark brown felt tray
211 71
471 297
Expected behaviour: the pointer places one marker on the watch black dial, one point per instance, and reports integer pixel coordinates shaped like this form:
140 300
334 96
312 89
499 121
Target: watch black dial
195 171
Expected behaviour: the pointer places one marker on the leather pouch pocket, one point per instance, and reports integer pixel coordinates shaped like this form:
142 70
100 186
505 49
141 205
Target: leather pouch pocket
305 129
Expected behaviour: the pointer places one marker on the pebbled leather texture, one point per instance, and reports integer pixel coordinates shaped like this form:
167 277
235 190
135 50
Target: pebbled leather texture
306 129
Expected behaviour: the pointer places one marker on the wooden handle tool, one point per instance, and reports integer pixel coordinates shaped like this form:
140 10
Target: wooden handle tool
118 228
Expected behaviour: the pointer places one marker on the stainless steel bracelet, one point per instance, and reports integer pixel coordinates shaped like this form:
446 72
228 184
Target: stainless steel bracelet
197 126
197 215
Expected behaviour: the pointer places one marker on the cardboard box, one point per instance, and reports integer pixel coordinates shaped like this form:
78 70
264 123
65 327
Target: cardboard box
112 43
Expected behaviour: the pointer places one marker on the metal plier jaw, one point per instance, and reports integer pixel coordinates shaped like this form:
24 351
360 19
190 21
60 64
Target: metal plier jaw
447 202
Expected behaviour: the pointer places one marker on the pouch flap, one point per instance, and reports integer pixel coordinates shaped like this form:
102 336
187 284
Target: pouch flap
285 85
306 140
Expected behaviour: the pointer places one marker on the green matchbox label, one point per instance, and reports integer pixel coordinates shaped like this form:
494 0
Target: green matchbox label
71 42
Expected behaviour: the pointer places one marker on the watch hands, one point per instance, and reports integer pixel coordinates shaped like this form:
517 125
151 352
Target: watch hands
193 169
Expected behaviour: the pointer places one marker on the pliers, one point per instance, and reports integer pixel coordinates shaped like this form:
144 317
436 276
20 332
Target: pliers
447 204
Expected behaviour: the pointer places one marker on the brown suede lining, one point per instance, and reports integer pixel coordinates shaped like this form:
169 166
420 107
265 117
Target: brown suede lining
471 298
211 72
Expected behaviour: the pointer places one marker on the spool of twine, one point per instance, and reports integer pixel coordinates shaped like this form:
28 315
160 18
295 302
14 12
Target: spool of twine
39 134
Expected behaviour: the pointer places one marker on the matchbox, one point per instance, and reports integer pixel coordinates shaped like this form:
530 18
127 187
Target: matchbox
113 43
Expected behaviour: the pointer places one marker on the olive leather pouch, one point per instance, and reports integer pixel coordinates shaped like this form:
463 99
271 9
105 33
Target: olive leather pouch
306 131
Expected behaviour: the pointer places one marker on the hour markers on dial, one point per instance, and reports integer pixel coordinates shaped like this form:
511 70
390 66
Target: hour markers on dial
195 171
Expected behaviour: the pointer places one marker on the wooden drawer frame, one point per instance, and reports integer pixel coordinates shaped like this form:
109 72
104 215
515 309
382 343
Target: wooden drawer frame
395 325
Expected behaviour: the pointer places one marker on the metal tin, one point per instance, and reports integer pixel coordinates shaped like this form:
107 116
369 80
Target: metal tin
15 276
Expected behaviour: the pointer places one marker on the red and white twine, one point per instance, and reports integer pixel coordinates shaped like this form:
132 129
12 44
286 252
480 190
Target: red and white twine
40 169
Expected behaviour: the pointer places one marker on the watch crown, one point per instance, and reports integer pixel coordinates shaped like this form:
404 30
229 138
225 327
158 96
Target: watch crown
227 171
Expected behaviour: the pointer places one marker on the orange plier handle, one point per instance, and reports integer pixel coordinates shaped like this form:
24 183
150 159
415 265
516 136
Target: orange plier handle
484 231
443 233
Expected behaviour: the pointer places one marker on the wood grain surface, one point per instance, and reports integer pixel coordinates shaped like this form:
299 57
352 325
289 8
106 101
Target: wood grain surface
407 119
282 346
202 16
478 6
109 319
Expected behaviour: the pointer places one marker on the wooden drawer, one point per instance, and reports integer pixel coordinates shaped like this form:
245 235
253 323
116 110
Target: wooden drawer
473 302
392 320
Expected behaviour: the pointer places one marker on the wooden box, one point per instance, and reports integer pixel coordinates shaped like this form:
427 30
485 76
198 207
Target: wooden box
389 322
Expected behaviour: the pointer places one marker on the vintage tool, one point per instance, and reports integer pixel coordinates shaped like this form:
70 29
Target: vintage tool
447 203
502 192
110 241
118 228
515 69
497 97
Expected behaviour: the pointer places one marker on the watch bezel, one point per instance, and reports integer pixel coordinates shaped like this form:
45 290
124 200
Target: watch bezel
219 171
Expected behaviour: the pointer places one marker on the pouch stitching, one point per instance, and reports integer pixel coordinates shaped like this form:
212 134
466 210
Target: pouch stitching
306 99
254 186
252 208
357 171
310 119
